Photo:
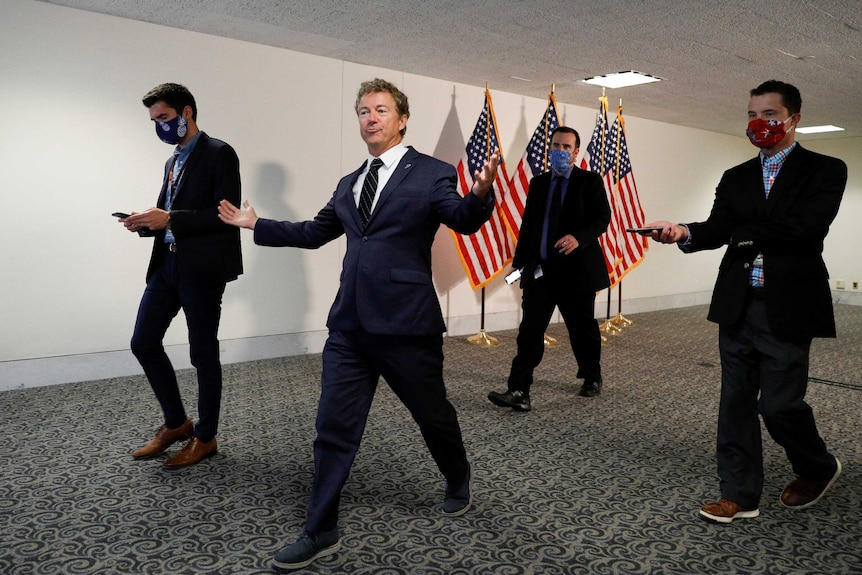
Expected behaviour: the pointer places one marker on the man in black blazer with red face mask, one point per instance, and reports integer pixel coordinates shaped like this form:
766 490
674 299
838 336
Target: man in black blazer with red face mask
771 299
562 266
194 255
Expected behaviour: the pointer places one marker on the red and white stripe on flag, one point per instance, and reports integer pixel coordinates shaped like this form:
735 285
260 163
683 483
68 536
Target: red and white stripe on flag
487 252
532 163
600 159
631 248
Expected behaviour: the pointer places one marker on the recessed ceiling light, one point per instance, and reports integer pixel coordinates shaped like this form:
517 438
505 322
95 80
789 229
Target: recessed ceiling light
622 79
819 129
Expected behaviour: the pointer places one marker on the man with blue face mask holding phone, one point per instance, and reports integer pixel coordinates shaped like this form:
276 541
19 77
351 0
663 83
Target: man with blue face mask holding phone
194 255
562 266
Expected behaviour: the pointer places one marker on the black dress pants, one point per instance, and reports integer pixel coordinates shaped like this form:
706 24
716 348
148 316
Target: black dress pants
577 307
764 374
166 293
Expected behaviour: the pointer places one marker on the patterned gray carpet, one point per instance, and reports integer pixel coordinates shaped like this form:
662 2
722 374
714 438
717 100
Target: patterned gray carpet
609 485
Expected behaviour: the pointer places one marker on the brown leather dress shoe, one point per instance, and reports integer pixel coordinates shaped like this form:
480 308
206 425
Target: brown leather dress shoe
725 511
195 451
801 493
165 437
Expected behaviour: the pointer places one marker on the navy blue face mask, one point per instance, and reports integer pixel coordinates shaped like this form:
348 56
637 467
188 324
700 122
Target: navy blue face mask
172 131
560 161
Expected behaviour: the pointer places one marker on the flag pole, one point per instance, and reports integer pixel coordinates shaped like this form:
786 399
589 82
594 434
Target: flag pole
483 338
607 326
549 341
620 321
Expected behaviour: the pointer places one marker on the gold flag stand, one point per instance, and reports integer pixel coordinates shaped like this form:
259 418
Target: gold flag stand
482 338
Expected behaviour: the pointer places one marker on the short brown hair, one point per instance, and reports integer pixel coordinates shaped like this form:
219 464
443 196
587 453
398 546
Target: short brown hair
176 96
378 85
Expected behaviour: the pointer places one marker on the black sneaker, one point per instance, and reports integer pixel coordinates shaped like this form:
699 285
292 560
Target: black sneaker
517 400
306 549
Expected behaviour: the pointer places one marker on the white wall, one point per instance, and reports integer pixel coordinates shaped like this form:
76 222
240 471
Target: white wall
77 144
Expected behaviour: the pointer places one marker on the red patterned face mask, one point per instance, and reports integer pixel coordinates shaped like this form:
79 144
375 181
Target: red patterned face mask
766 133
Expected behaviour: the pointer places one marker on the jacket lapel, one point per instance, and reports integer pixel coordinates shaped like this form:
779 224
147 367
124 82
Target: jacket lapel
349 197
788 174
191 163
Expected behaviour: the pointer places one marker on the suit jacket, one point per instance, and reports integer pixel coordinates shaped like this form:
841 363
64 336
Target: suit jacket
585 215
788 228
208 250
386 284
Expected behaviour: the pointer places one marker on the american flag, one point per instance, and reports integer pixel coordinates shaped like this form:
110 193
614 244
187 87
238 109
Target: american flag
631 248
600 159
533 162
487 252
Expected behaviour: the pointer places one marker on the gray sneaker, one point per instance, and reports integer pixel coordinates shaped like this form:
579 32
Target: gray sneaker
306 549
459 499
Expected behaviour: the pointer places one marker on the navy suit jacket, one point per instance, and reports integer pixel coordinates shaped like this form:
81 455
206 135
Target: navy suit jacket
788 228
208 249
386 284
585 215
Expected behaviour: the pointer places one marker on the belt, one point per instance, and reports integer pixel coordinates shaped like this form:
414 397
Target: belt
171 247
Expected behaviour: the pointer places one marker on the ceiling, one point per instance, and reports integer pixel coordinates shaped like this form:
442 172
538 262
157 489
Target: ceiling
710 53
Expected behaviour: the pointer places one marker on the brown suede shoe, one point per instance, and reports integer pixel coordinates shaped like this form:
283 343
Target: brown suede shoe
725 511
165 437
195 451
801 493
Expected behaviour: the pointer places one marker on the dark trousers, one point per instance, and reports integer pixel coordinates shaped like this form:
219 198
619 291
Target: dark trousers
352 364
539 299
166 293
765 374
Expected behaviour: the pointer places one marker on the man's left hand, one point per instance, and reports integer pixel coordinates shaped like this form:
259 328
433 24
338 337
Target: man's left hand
484 178
153 218
566 244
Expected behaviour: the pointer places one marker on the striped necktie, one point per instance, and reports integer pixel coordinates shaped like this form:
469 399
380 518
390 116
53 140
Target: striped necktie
369 189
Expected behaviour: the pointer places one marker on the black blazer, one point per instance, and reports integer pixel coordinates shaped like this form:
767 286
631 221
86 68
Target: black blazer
386 283
586 215
788 228
208 249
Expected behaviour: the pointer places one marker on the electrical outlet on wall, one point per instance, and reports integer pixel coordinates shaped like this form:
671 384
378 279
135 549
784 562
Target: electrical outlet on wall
855 285
839 284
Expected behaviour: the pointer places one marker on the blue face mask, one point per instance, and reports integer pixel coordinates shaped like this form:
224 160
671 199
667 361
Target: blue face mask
560 160
172 131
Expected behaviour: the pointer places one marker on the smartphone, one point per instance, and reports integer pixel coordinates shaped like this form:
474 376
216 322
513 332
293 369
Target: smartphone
643 231
120 215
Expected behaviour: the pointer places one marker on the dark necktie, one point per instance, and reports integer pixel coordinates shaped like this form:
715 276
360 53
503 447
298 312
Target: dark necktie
554 211
369 188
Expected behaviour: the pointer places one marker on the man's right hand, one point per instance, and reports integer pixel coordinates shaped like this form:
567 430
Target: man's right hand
244 217
670 232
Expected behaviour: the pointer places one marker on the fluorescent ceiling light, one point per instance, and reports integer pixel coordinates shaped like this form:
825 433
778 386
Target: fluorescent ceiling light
819 129
622 79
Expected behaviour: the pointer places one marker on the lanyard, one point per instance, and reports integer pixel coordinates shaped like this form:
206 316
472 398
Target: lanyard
174 185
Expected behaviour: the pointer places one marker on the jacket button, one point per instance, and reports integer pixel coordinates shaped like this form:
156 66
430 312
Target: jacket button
746 265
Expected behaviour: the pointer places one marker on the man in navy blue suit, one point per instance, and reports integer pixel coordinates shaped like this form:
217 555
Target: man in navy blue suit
386 319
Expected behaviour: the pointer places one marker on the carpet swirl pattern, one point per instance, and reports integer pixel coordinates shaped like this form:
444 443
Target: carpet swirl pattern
602 486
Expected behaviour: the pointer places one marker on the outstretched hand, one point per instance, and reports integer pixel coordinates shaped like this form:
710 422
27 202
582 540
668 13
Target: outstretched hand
244 217
668 233
483 179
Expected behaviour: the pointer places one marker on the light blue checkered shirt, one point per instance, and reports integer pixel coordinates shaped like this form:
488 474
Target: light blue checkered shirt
771 165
